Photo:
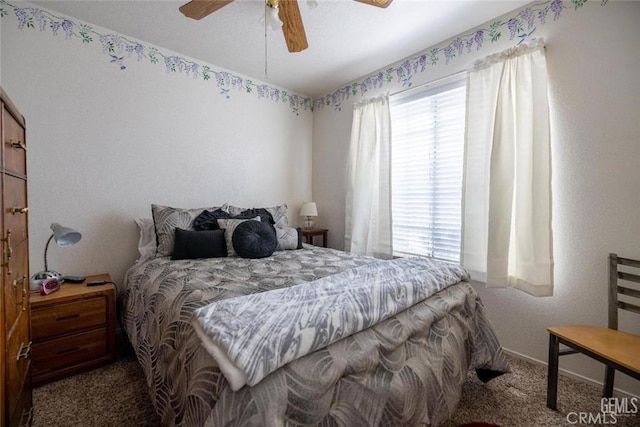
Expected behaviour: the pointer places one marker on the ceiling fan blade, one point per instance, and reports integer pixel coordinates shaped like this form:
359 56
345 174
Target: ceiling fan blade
198 9
292 27
378 3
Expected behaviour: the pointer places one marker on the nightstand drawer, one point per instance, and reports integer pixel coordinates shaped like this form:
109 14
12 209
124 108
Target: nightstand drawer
73 330
65 318
62 352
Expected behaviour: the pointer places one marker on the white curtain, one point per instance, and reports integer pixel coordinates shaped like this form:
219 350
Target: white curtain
368 203
507 235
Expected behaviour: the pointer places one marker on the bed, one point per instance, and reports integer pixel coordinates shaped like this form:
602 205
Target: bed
404 367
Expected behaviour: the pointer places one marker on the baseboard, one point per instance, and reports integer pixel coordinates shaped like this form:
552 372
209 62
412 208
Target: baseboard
572 375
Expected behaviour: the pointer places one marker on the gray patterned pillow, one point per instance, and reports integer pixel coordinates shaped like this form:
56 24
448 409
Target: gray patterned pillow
288 238
166 219
229 225
279 214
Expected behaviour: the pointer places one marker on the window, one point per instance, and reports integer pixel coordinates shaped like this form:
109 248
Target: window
427 151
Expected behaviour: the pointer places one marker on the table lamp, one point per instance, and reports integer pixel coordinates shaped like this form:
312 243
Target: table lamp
309 210
64 236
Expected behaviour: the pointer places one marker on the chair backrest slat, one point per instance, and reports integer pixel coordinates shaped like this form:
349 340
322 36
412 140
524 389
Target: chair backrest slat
615 288
630 262
628 291
628 276
629 307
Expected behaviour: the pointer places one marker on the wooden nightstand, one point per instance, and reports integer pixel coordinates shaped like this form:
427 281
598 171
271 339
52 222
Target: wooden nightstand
73 329
310 233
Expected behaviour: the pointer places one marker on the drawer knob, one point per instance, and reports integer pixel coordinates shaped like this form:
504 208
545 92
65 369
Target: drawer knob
69 317
17 210
18 145
8 252
19 282
68 350
22 282
24 352
24 293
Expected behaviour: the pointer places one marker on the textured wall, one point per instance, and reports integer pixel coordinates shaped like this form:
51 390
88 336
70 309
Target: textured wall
105 143
595 101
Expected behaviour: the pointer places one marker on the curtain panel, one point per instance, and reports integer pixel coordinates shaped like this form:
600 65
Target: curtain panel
368 202
507 235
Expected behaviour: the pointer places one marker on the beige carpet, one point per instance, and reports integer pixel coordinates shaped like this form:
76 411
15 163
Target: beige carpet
520 398
116 395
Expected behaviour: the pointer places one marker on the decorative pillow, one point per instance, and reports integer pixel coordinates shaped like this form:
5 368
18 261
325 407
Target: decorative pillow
209 220
254 239
147 240
288 238
199 244
278 213
265 216
166 219
229 225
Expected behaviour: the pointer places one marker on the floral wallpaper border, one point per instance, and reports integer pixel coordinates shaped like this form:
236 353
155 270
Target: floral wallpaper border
520 28
120 50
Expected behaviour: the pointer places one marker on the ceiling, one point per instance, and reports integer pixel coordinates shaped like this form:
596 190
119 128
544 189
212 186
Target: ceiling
347 39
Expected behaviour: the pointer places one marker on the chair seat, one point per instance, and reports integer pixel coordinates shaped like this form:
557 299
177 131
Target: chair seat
619 347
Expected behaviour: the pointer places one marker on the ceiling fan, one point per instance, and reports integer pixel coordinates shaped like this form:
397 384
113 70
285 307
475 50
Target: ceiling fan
288 11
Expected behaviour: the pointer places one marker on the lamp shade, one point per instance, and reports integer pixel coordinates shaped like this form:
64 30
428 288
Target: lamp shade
65 236
309 209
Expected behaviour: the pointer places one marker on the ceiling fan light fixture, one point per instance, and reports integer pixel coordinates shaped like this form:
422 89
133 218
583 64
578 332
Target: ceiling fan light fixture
272 15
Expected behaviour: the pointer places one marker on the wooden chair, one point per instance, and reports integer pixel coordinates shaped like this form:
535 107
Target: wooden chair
616 349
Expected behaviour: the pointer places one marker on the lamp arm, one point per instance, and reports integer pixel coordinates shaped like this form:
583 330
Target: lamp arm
46 248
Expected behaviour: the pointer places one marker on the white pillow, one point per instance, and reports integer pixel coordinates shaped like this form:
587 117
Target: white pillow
288 238
147 241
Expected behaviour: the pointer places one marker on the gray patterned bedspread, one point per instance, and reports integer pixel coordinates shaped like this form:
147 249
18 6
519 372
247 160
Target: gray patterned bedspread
260 333
405 370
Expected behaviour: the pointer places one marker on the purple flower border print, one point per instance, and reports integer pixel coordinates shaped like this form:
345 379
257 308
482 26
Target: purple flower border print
119 49
520 28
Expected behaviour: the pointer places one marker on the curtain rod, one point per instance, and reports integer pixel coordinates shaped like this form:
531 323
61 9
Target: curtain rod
434 82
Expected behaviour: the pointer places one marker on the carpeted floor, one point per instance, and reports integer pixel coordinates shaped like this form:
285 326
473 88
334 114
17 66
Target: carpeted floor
116 395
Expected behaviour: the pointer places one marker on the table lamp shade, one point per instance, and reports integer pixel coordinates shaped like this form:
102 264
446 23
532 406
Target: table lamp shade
65 236
309 209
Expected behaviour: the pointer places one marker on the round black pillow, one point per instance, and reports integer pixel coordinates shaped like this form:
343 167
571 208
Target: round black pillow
254 239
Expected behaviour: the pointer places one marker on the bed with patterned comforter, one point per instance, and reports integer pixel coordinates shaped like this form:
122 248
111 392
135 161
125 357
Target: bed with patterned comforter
394 356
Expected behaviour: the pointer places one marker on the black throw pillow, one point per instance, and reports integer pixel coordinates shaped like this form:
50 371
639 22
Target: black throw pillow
199 244
299 230
265 215
207 220
254 239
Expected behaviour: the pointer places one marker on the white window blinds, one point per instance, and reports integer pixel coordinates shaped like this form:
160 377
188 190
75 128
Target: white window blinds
427 161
